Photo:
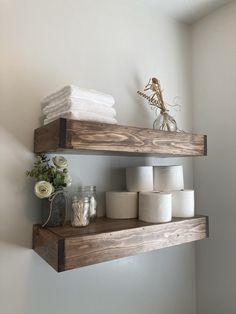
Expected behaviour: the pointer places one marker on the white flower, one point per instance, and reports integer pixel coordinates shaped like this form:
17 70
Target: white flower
60 162
43 189
68 180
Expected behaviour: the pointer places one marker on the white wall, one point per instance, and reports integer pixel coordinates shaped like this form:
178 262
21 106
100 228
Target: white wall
112 46
214 79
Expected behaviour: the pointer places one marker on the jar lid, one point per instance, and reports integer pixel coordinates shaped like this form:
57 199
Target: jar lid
82 188
91 187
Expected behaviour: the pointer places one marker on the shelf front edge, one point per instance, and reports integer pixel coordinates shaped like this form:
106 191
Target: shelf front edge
103 247
92 137
49 246
77 251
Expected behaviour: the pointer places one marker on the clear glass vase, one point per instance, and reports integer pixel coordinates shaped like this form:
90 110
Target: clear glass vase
165 122
54 209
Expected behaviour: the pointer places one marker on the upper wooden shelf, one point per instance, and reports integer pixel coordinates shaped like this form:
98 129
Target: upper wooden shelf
65 134
106 239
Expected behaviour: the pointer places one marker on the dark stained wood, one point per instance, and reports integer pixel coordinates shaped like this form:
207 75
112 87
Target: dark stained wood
47 138
49 246
106 239
82 136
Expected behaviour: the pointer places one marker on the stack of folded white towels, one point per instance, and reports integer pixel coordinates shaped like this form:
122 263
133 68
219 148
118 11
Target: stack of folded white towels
73 102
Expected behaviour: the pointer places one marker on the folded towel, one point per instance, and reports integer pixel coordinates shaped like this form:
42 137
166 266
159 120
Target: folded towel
83 116
74 104
78 111
80 93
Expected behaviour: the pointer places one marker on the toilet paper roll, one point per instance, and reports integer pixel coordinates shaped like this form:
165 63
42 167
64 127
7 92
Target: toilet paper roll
183 203
155 207
168 178
121 205
139 179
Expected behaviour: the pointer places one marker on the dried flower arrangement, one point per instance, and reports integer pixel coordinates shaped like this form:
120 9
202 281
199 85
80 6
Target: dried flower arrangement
164 121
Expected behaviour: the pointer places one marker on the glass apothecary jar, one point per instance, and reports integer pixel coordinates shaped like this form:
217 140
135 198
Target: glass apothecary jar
80 211
92 201
90 192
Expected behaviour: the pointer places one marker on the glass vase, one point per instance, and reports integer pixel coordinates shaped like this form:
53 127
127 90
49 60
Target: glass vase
165 122
54 209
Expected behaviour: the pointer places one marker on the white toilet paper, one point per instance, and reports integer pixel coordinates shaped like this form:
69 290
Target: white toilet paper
168 178
139 179
155 207
183 203
121 205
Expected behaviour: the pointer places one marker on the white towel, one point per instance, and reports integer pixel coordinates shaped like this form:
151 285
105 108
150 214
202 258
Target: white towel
83 116
80 93
56 107
75 111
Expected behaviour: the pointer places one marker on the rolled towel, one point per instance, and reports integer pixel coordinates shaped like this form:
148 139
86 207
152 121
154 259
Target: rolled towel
83 116
80 93
78 105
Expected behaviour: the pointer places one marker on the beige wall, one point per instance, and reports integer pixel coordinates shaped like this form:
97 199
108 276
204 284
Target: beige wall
214 79
112 46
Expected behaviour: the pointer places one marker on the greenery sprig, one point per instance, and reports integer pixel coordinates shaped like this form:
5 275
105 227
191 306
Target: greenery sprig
49 176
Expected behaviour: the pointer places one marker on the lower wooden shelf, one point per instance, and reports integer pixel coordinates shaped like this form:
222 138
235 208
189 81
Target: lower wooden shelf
106 239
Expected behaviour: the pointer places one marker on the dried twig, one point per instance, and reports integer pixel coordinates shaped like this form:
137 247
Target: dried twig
156 99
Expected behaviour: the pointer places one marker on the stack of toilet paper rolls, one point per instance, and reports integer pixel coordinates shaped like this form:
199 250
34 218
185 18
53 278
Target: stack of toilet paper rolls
157 191
170 179
124 204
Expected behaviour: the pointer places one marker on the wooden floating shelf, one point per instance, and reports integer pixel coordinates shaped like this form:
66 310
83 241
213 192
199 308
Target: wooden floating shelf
66 248
88 137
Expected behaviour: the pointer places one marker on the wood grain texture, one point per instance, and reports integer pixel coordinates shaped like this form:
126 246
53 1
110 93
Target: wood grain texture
64 134
108 239
47 138
49 246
